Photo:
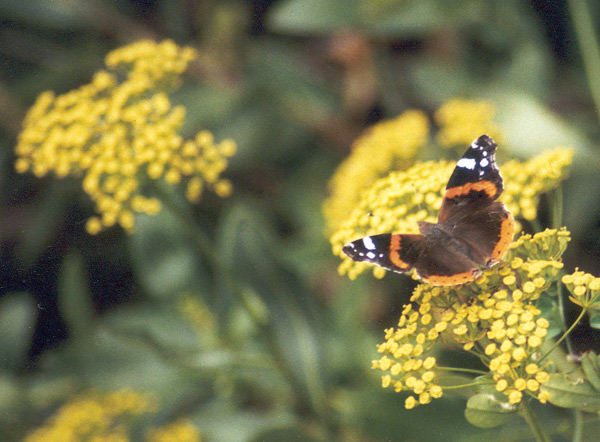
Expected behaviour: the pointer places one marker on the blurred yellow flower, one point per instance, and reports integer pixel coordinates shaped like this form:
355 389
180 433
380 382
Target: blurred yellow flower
462 121
388 145
94 417
119 132
179 431
526 181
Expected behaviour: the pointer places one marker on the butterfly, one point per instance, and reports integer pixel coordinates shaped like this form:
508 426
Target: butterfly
473 231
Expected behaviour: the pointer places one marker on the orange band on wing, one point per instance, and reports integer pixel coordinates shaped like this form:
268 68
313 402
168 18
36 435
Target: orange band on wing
459 278
488 187
507 230
394 255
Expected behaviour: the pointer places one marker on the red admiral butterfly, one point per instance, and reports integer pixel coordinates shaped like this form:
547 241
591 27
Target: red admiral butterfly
473 231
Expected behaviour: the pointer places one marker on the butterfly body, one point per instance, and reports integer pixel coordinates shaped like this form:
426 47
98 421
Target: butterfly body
473 231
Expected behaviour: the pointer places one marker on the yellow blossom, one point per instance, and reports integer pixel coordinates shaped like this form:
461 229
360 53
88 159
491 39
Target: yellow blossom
94 416
585 289
462 121
525 182
120 131
179 431
388 145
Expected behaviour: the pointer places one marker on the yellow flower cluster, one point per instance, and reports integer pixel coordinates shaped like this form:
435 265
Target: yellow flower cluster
585 289
94 416
121 131
386 146
462 121
526 181
396 203
405 357
179 431
500 324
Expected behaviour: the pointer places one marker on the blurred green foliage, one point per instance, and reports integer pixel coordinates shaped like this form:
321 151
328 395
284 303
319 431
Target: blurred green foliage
284 348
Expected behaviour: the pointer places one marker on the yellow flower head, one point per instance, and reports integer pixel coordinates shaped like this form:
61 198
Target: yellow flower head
121 131
388 145
179 431
94 416
525 182
585 289
462 121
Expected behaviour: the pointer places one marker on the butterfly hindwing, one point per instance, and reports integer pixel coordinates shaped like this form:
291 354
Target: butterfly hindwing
384 249
403 252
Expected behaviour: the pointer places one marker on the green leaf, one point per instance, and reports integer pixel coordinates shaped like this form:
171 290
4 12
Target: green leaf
45 223
52 15
10 394
306 17
74 296
590 362
383 19
595 320
580 395
529 127
279 435
550 311
292 327
166 261
487 410
17 320
222 420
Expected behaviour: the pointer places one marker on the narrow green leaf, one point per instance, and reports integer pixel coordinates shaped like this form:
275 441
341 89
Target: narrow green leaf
580 395
74 296
166 261
485 410
17 320
590 363
274 293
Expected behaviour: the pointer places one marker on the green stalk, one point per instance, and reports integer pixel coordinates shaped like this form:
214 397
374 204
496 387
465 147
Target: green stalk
563 337
534 423
590 52
577 426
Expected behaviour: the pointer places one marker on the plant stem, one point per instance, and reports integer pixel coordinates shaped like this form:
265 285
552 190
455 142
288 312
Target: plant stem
472 384
562 313
463 370
532 420
590 53
557 206
563 337
577 426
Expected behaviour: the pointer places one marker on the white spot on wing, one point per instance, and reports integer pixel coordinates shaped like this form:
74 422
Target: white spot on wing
466 163
371 255
484 163
368 243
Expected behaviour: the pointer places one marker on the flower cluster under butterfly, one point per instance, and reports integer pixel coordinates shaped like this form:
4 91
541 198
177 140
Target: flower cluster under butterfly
473 231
